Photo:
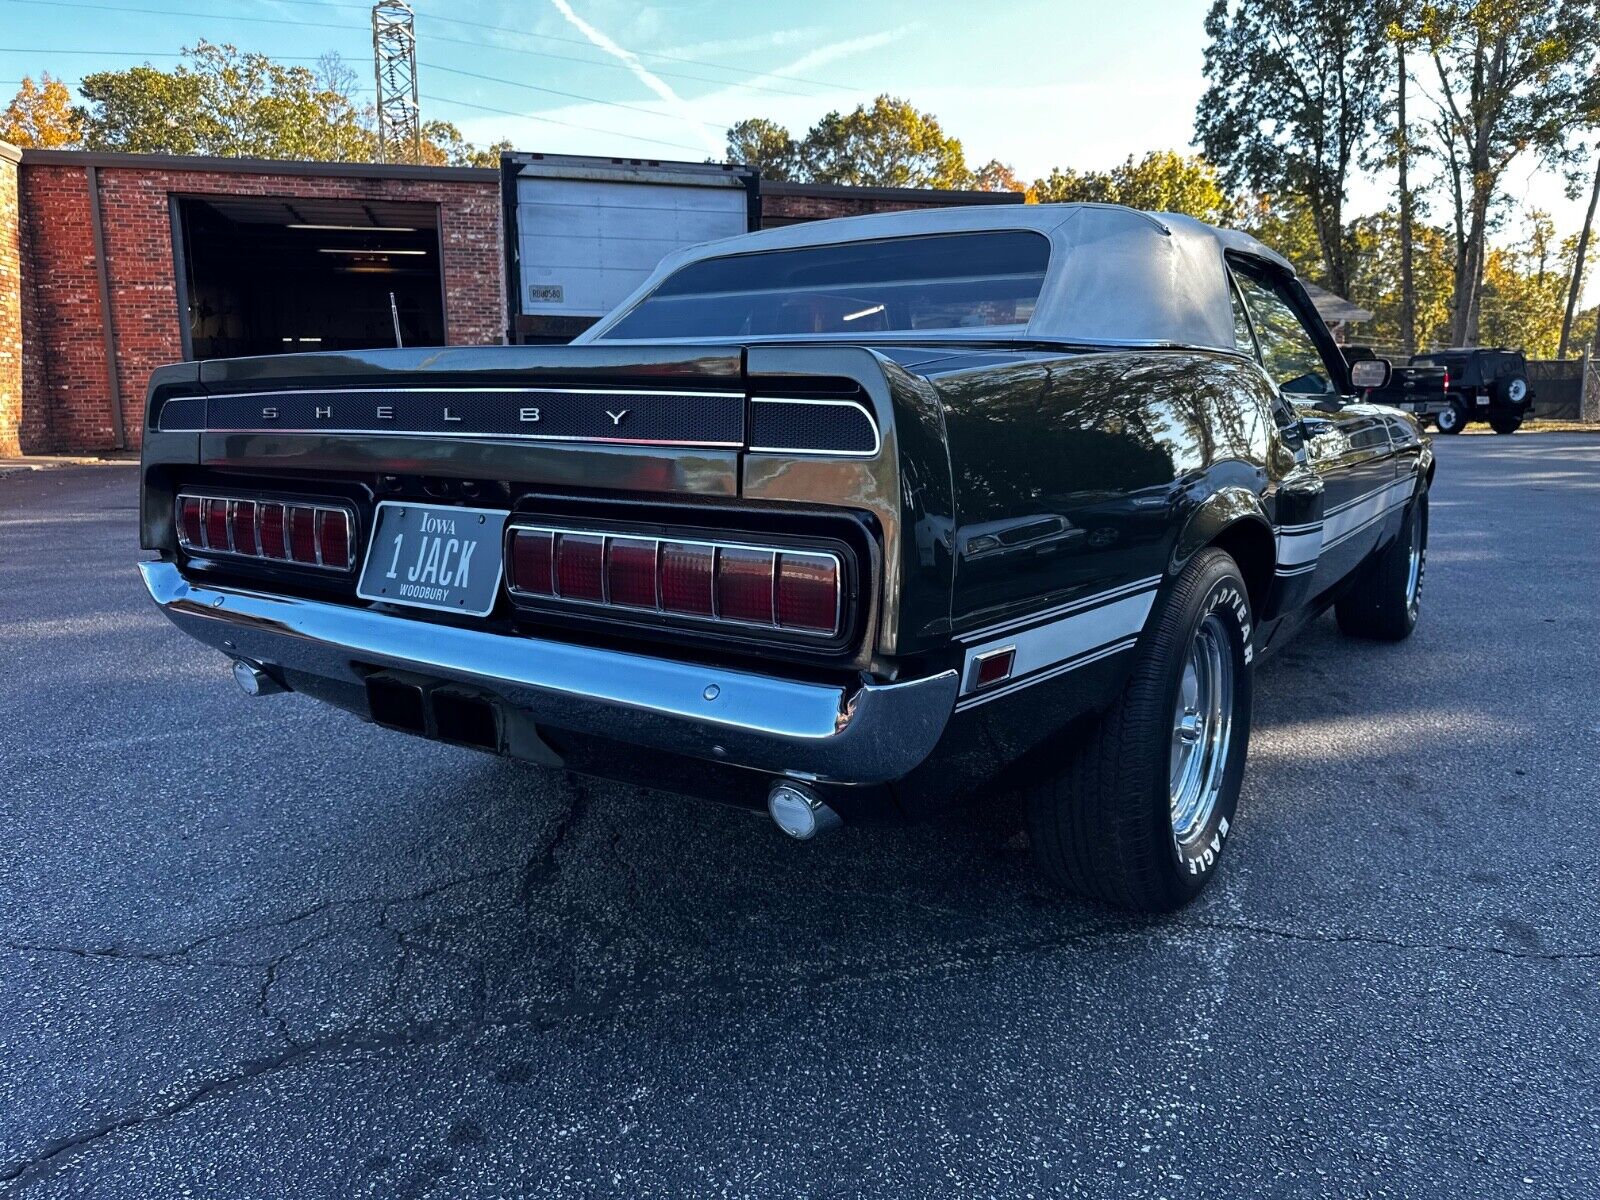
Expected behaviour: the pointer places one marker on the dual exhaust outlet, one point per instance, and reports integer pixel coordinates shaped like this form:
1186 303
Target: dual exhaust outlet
794 807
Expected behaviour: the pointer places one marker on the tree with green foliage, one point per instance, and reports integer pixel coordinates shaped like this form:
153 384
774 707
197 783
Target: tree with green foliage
221 101
886 144
765 145
1295 89
1377 283
1161 181
1513 77
890 144
41 116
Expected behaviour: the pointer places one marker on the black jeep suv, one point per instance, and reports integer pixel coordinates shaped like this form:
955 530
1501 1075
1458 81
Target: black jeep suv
1481 384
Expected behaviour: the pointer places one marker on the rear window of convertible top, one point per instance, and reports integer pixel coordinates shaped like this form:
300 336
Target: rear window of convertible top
942 281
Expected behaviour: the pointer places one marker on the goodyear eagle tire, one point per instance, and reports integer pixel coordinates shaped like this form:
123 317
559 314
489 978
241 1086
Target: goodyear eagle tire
1138 814
1386 596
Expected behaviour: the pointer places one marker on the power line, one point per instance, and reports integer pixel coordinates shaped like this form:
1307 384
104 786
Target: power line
142 54
476 44
517 83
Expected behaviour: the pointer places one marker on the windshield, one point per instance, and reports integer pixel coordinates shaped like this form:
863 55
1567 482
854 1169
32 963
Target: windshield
947 281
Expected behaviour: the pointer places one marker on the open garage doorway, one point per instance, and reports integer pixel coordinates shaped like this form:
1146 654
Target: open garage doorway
265 275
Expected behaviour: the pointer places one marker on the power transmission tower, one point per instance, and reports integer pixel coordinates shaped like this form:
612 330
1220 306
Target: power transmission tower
394 57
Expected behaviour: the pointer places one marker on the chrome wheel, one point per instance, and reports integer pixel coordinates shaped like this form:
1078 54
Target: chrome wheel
1202 729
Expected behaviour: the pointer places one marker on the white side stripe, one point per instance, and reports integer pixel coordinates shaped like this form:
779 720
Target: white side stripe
1083 660
1068 637
1059 610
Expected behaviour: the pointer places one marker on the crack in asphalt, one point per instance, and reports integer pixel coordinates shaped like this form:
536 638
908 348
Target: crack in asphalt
1371 939
362 1041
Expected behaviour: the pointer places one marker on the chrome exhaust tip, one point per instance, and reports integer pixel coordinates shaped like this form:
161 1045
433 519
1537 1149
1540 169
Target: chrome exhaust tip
253 681
799 811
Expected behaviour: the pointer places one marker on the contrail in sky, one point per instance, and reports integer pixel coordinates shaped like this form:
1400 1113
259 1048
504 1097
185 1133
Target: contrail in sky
645 75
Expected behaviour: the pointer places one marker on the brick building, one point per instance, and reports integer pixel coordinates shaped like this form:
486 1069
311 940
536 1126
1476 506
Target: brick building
113 264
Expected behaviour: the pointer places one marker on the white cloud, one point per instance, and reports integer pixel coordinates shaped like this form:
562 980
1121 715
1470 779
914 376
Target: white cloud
645 76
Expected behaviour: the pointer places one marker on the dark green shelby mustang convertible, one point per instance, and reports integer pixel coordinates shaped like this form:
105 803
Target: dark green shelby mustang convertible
852 519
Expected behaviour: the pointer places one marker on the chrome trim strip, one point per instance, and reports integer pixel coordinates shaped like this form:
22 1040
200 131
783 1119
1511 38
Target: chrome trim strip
877 436
502 437
858 733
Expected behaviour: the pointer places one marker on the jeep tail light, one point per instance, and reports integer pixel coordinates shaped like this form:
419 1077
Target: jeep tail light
310 535
798 591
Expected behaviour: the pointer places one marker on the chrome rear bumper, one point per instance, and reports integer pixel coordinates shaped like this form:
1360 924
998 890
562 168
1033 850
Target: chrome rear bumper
868 733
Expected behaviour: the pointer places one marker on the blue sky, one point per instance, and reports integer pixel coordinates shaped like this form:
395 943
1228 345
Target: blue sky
1036 83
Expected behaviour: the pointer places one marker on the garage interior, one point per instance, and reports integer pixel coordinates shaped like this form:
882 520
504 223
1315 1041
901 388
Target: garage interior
262 275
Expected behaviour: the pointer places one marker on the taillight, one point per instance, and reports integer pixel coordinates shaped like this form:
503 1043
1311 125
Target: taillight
189 520
686 578
531 562
580 574
333 537
808 592
631 572
274 537
744 585
310 535
303 535
798 591
1447 381
217 525
244 526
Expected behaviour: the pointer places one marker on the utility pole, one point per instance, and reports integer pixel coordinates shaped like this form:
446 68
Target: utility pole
1408 285
394 59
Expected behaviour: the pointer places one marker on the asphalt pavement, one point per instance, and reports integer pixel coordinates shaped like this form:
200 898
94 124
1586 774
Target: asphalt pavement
259 949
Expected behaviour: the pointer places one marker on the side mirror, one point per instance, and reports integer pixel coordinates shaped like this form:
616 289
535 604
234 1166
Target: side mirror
1370 373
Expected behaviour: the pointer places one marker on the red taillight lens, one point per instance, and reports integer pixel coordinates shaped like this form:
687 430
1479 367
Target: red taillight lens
631 572
786 591
217 525
333 534
274 538
744 585
303 535
808 592
994 667
189 521
532 554
580 567
312 535
244 527
686 578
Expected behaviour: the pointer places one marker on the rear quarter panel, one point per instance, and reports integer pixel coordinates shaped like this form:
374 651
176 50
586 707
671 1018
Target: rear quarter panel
1123 447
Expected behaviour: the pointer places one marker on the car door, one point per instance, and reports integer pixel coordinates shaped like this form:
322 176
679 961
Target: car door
1345 443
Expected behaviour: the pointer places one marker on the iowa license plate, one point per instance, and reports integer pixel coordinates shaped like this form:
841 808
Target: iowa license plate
434 556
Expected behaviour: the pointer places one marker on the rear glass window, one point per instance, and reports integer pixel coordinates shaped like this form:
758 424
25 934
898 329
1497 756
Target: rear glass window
949 281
